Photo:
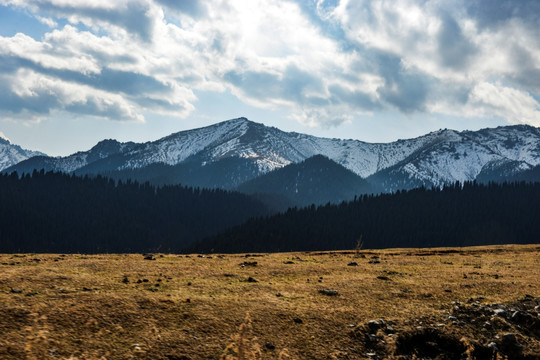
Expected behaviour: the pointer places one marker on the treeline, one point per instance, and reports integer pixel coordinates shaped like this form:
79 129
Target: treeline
55 212
457 215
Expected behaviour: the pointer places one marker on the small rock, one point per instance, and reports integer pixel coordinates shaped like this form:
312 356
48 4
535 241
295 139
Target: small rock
386 278
374 325
288 262
125 280
451 318
372 338
509 339
493 347
298 320
500 312
279 295
269 345
519 317
16 291
353 263
86 289
248 263
329 292
374 261
251 280
149 257
200 256
537 308
487 325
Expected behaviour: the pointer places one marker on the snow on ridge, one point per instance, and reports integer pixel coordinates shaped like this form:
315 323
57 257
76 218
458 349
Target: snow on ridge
4 137
11 154
177 147
440 156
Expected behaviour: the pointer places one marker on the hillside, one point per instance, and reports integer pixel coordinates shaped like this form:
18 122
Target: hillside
458 215
53 212
317 180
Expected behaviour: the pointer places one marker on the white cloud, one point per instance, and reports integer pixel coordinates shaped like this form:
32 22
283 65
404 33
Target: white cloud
44 95
441 43
47 21
141 56
508 103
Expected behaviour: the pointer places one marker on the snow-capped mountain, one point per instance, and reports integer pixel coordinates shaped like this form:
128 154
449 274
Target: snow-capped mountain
11 154
239 150
449 156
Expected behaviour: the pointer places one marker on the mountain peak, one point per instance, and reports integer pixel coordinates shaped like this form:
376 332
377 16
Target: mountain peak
11 154
237 122
4 139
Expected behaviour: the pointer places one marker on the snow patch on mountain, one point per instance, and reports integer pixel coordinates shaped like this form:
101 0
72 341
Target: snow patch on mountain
11 154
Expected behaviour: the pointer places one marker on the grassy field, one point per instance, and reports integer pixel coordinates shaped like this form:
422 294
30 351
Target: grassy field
425 303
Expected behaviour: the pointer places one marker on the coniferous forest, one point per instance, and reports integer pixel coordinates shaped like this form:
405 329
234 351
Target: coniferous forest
457 215
55 212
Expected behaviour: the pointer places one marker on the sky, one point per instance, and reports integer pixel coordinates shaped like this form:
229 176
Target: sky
74 72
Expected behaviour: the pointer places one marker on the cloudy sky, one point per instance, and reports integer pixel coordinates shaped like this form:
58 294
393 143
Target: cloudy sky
73 72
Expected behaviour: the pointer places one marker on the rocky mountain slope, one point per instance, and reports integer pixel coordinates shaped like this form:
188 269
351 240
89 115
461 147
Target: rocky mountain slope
11 154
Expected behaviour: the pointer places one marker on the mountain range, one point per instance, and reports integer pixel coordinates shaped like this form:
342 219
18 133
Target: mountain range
11 154
235 154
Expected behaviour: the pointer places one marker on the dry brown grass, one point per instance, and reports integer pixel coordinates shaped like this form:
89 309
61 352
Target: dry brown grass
80 307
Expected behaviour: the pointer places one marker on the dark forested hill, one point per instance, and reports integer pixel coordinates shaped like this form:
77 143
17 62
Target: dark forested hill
53 212
457 215
317 180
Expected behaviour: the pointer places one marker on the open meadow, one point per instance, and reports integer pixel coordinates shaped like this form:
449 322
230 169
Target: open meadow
480 302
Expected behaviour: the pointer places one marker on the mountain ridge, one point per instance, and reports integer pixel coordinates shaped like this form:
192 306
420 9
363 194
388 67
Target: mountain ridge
434 159
11 154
